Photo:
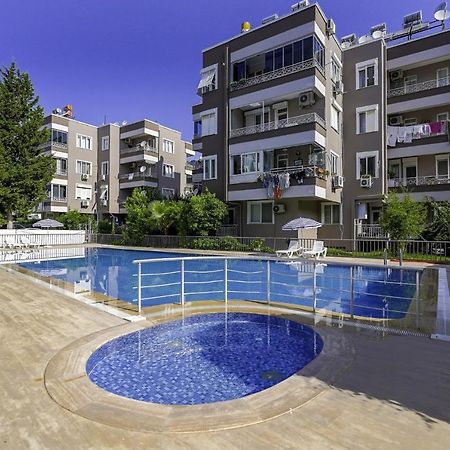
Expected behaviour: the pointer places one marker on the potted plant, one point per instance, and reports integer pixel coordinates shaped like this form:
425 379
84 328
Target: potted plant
392 180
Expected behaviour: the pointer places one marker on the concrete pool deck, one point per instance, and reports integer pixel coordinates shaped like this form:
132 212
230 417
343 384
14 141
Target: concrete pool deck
395 394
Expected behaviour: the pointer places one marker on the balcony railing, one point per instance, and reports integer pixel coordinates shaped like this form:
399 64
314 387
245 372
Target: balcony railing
284 123
430 180
371 231
57 199
53 144
136 176
241 84
419 87
139 148
62 172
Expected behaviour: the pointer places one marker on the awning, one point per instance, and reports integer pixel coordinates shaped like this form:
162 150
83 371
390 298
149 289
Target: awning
206 81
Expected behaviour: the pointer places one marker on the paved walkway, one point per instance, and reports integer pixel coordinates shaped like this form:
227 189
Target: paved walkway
396 394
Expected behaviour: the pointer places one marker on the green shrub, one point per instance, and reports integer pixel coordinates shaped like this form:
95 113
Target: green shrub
104 227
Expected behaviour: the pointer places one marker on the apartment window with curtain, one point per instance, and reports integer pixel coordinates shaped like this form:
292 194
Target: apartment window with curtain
246 163
168 146
335 165
104 168
168 193
84 141
208 80
105 143
367 119
84 167
58 193
367 164
367 73
443 166
260 212
335 118
331 214
209 123
58 136
168 171
210 167
61 166
83 192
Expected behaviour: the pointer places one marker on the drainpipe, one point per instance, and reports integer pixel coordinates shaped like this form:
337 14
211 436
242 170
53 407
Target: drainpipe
227 121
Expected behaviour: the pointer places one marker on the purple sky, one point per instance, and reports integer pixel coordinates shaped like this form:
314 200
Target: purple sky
131 59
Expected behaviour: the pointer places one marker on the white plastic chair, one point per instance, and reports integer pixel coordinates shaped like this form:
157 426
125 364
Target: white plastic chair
294 247
317 250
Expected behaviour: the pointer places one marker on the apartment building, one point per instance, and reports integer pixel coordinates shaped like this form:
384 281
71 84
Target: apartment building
343 121
269 123
98 167
396 112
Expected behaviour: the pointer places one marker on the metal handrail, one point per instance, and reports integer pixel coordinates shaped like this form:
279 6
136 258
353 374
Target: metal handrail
138 148
275 125
53 144
429 180
310 63
135 176
419 87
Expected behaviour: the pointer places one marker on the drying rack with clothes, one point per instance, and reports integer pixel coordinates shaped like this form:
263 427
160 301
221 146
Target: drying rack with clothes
407 134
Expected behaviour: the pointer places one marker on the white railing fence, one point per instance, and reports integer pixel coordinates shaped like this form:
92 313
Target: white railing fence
419 87
20 238
302 284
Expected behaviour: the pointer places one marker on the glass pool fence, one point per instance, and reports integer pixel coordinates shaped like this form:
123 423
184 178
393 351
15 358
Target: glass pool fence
397 298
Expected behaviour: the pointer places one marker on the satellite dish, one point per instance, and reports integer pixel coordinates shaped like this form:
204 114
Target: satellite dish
365 38
142 169
195 191
124 122
442 13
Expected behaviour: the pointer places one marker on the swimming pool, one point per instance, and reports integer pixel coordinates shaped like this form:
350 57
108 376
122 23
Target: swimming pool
376 292
204 359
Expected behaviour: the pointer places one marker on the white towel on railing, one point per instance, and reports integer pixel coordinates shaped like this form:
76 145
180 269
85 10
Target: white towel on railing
409 131
392 136
401 134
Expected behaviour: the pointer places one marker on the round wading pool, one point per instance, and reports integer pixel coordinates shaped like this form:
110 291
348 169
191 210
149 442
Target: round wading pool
203 359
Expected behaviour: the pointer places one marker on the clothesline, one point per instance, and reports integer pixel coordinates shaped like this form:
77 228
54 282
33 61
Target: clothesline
407 134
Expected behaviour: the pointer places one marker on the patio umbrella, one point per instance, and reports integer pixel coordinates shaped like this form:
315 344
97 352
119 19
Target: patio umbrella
300 224
47 223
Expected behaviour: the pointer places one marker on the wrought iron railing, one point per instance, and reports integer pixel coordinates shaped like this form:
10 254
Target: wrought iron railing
275 125
53 144
138 148
310 63
430 180
370 231
419 87
136 176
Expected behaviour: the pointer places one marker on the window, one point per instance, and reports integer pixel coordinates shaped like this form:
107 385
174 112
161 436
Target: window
168 146
442 166
209 123
105 143
336 68
58 136
260 212
335 165
366 119
442 77
410 81
168 193
197 128
395 169
366 164
210 167
331 214
442 117
104 192
58 193
410 121
208 81
335 118
84 167
410 170
84 142
104 168
61 166
246 163
282 160
83 192
281 112
367 74
168 171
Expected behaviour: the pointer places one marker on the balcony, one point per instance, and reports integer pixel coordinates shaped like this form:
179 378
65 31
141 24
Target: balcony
419 87
56 145
304 65
139 153
135 179
61 172
369 231
285 123
430 180
57 199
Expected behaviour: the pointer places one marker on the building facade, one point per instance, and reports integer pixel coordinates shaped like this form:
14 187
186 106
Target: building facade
293 122
98 167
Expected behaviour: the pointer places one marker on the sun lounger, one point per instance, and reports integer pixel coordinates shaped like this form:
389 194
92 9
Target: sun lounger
294 248
317 250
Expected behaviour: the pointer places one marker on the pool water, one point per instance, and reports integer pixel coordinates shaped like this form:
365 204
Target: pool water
376 292
203 359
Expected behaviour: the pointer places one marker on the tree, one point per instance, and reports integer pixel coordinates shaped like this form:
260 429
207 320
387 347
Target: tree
402 218
74 220
139 216
24 173
439 228
204 214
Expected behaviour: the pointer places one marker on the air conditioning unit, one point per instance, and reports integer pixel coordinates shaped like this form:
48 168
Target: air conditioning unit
103 177
331 27
338 181
306 99
396 121
279 208
104 202
396 75
338 87
85 203
300 5
84 177
366 181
